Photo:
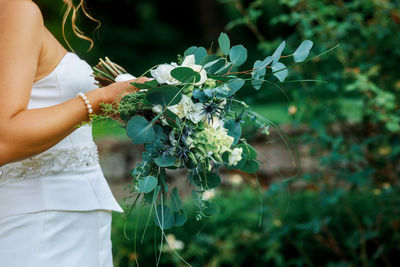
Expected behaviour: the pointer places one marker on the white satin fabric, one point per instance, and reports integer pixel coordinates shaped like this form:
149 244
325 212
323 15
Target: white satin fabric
61 185
56 239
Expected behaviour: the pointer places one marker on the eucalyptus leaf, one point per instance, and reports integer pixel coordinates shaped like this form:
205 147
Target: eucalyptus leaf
251 166
197 197
266 62
278 52
164 183
207 180
238 55
145 85
172 119
234 129
248 151
152 196
280 71
209 60
139 130
224 69
176 202
302 51
199 53
167 95
164 217
200 95
258 73
180 218
235 85
220 64
220 92
224 43
147 184
185 75
165 160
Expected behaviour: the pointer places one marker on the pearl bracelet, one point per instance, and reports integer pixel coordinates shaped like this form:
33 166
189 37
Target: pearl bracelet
87 103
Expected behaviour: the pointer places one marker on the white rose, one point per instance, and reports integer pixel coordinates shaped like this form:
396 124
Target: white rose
157 109
235 156
189 62
186 108
196 113
124 77
182 108
163 74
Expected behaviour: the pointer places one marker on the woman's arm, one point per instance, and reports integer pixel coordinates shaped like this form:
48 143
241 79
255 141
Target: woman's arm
23 132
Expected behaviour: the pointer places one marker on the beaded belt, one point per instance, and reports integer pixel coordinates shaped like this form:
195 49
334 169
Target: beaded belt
51 162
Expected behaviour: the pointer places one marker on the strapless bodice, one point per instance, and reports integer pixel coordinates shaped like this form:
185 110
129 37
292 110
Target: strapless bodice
68 175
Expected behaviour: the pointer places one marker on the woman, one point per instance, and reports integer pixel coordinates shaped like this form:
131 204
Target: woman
55 205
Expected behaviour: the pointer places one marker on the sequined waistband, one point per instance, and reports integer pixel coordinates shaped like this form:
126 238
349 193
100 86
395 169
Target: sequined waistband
51 162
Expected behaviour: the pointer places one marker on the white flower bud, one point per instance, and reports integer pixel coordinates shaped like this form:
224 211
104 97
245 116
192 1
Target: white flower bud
124 77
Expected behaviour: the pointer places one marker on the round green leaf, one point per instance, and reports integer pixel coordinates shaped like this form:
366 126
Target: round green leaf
280 71
152 196
164 217
165 160
248 151
235 85
224 43
238 55
199 53
258 73
147 184
302 51
278 52
145 85
206 180
211 208
208 61
172 119
217 65
139 130
234 129
165 95
251 166
185 75
180 217
176 202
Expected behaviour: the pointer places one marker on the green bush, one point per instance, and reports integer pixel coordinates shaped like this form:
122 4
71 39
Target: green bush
355 118
308 228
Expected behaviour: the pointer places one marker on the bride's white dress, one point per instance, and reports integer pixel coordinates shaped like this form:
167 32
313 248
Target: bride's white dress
55 208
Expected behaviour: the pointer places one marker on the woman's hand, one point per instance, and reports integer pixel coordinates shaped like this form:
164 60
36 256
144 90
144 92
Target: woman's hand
116 91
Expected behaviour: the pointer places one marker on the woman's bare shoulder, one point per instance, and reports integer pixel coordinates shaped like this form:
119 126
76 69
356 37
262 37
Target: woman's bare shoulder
17 12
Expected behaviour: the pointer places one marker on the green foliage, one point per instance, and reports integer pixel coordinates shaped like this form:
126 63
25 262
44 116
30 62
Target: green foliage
238 55
140 130
166 95
147 184
302 51
224 43
312 229
185 75
359 150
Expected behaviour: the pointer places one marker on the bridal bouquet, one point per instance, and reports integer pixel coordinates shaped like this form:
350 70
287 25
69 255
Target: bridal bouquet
188 117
